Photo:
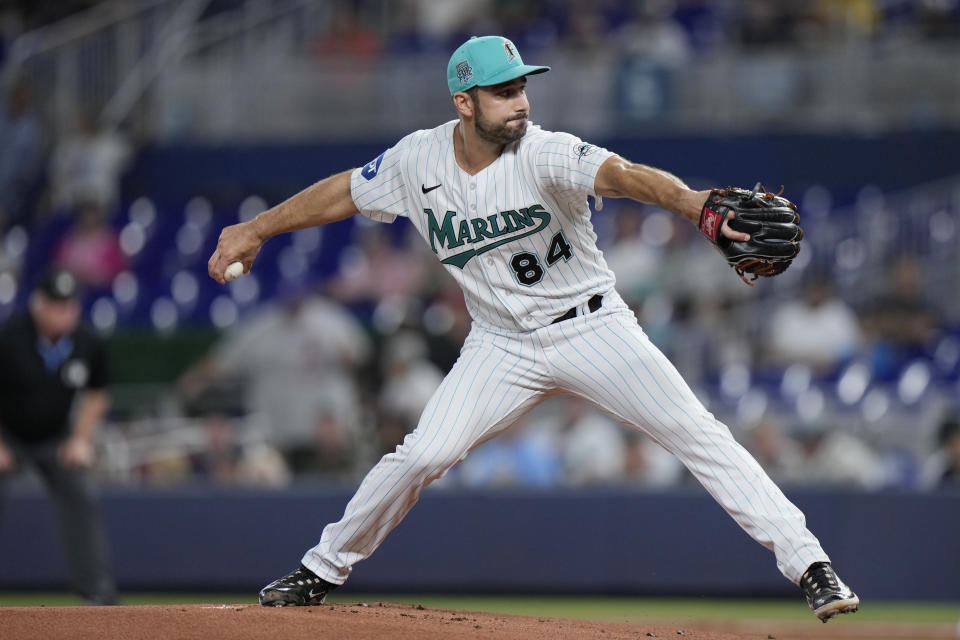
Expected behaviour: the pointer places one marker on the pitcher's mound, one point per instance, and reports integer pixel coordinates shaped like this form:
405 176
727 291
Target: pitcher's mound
379 620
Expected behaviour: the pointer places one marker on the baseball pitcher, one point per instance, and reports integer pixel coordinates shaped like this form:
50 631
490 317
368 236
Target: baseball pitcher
503 205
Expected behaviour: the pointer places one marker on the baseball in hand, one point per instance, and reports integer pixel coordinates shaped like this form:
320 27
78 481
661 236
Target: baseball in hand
234 271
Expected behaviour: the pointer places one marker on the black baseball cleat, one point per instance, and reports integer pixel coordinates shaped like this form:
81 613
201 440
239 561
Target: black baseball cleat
826 594
301 588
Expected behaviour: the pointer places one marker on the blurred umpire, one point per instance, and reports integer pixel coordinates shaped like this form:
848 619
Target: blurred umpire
47 361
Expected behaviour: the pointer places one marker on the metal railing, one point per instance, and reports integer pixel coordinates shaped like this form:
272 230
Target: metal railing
102 61
77 64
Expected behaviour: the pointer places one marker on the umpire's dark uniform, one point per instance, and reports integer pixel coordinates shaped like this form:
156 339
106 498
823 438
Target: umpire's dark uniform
39 378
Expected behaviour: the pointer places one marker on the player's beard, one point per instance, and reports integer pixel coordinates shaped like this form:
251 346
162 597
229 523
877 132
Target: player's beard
501 133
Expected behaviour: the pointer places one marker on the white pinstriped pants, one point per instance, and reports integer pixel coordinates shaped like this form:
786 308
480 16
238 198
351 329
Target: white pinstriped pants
603 357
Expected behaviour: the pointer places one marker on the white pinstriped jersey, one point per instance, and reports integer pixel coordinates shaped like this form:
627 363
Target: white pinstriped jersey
517 236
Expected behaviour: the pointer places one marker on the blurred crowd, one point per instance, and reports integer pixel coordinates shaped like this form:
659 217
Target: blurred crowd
329 377
666 29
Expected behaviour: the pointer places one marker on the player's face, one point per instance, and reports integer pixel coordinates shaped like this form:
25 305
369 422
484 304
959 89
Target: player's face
502 112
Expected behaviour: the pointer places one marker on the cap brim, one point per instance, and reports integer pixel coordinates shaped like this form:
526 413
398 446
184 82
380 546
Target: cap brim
512 73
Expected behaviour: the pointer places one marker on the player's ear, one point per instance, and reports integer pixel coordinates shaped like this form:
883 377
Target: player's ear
463 103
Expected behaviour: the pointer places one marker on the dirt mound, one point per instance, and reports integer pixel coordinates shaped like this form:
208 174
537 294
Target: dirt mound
355 621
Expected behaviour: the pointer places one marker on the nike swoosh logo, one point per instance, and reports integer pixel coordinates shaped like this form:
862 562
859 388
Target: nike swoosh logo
424 188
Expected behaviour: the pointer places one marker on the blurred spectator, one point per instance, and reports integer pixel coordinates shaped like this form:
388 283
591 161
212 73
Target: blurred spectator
13 252
633 260
86 166
218 459
942 469
439 19
409 378
52 399
261 465
716 326
391 429
216 448
778 454
348 36
91 248
298 362
585 29
21 154
688 268
523 456
696 321
445 320
766 24
226 459
818 330
691 341
901 323
593 447
656 37
831 457
167 464
649 464
374 270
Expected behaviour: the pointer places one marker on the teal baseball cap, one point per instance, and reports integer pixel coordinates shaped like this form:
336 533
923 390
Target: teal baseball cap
485 61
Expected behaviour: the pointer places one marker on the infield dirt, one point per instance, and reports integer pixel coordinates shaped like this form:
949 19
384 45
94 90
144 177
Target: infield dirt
383 621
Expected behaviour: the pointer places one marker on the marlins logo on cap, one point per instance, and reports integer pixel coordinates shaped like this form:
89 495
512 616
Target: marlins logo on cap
511 51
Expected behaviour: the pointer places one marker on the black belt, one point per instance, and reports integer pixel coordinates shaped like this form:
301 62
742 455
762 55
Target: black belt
593 304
